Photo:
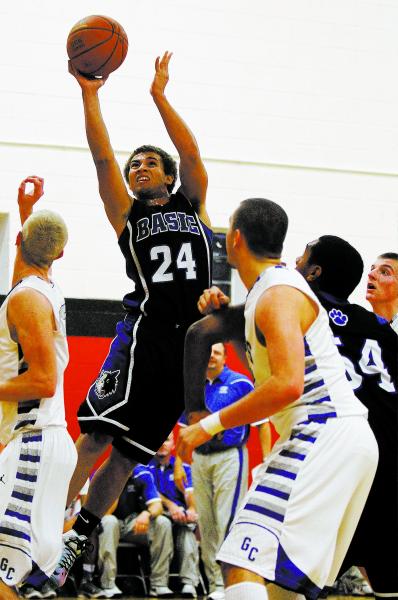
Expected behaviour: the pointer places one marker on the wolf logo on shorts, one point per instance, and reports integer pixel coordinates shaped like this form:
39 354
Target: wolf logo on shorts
106 383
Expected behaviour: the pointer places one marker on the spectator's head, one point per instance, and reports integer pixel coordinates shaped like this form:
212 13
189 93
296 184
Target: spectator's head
382 288
331 265
262 224
43 238
216 361
163 169
166 448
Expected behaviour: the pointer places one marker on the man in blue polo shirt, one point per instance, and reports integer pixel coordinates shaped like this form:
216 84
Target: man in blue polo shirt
220 466
180 508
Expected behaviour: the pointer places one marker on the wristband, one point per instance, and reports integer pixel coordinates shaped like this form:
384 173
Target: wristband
212 424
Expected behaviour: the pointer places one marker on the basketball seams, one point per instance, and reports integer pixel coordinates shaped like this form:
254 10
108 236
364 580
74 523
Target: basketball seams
109 57
108 39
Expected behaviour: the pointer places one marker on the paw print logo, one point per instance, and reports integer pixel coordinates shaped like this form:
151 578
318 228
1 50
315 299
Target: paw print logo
338 317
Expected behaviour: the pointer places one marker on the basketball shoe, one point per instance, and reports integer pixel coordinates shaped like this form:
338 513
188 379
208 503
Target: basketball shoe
74 546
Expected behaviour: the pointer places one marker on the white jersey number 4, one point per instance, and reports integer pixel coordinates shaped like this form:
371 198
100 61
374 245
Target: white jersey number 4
370 363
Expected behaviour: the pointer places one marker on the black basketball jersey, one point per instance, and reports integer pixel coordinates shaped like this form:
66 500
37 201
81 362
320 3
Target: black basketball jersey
168 256
369 347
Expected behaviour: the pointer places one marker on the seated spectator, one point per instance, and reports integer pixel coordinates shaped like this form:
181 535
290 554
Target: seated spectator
136 517
182 518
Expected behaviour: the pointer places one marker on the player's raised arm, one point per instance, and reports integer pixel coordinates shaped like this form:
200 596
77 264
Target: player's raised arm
26 200
112 188
193 174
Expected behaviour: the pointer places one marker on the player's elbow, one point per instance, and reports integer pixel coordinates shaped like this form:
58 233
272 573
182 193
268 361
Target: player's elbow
198 334
293 389
45 385
204 332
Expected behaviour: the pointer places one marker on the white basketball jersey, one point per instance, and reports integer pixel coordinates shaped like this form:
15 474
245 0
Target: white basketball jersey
327 392
18 417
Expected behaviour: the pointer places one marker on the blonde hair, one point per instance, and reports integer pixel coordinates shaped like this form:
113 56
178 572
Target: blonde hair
44 236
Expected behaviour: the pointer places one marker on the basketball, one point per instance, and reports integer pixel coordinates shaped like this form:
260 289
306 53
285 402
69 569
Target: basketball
97 45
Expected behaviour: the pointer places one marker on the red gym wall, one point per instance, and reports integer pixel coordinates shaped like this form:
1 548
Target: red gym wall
91 326
86 357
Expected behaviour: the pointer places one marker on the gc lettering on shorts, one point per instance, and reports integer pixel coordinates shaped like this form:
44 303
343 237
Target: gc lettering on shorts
161 222
251 551
5 568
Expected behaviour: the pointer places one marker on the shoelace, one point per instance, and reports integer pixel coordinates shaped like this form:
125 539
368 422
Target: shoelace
67 559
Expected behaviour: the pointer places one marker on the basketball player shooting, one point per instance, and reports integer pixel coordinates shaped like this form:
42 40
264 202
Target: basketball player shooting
165 240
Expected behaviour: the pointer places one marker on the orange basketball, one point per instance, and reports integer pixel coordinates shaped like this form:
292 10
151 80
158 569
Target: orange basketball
97 45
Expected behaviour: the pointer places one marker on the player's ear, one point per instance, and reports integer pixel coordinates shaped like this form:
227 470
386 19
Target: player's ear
237 237
169 179
314 272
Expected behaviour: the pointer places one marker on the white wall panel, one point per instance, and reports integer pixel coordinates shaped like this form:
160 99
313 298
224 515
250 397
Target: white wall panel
295 100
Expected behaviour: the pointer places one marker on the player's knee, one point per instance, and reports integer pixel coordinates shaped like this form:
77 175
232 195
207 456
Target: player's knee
233 575
94 441
120 462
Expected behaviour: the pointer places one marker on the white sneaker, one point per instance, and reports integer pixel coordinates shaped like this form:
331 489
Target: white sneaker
160 591
188 591
112 591
216 595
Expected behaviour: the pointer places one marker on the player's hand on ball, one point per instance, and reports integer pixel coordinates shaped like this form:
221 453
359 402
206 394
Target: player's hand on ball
190 438
93 83
161 74
211 300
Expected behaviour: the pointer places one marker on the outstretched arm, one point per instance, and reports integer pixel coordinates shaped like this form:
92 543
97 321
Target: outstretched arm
112 187
221 326
193 174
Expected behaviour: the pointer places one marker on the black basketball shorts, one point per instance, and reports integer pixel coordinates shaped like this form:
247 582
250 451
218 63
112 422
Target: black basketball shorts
138 395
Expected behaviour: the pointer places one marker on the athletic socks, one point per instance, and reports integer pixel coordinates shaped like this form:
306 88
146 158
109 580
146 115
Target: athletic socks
247 590
86 522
